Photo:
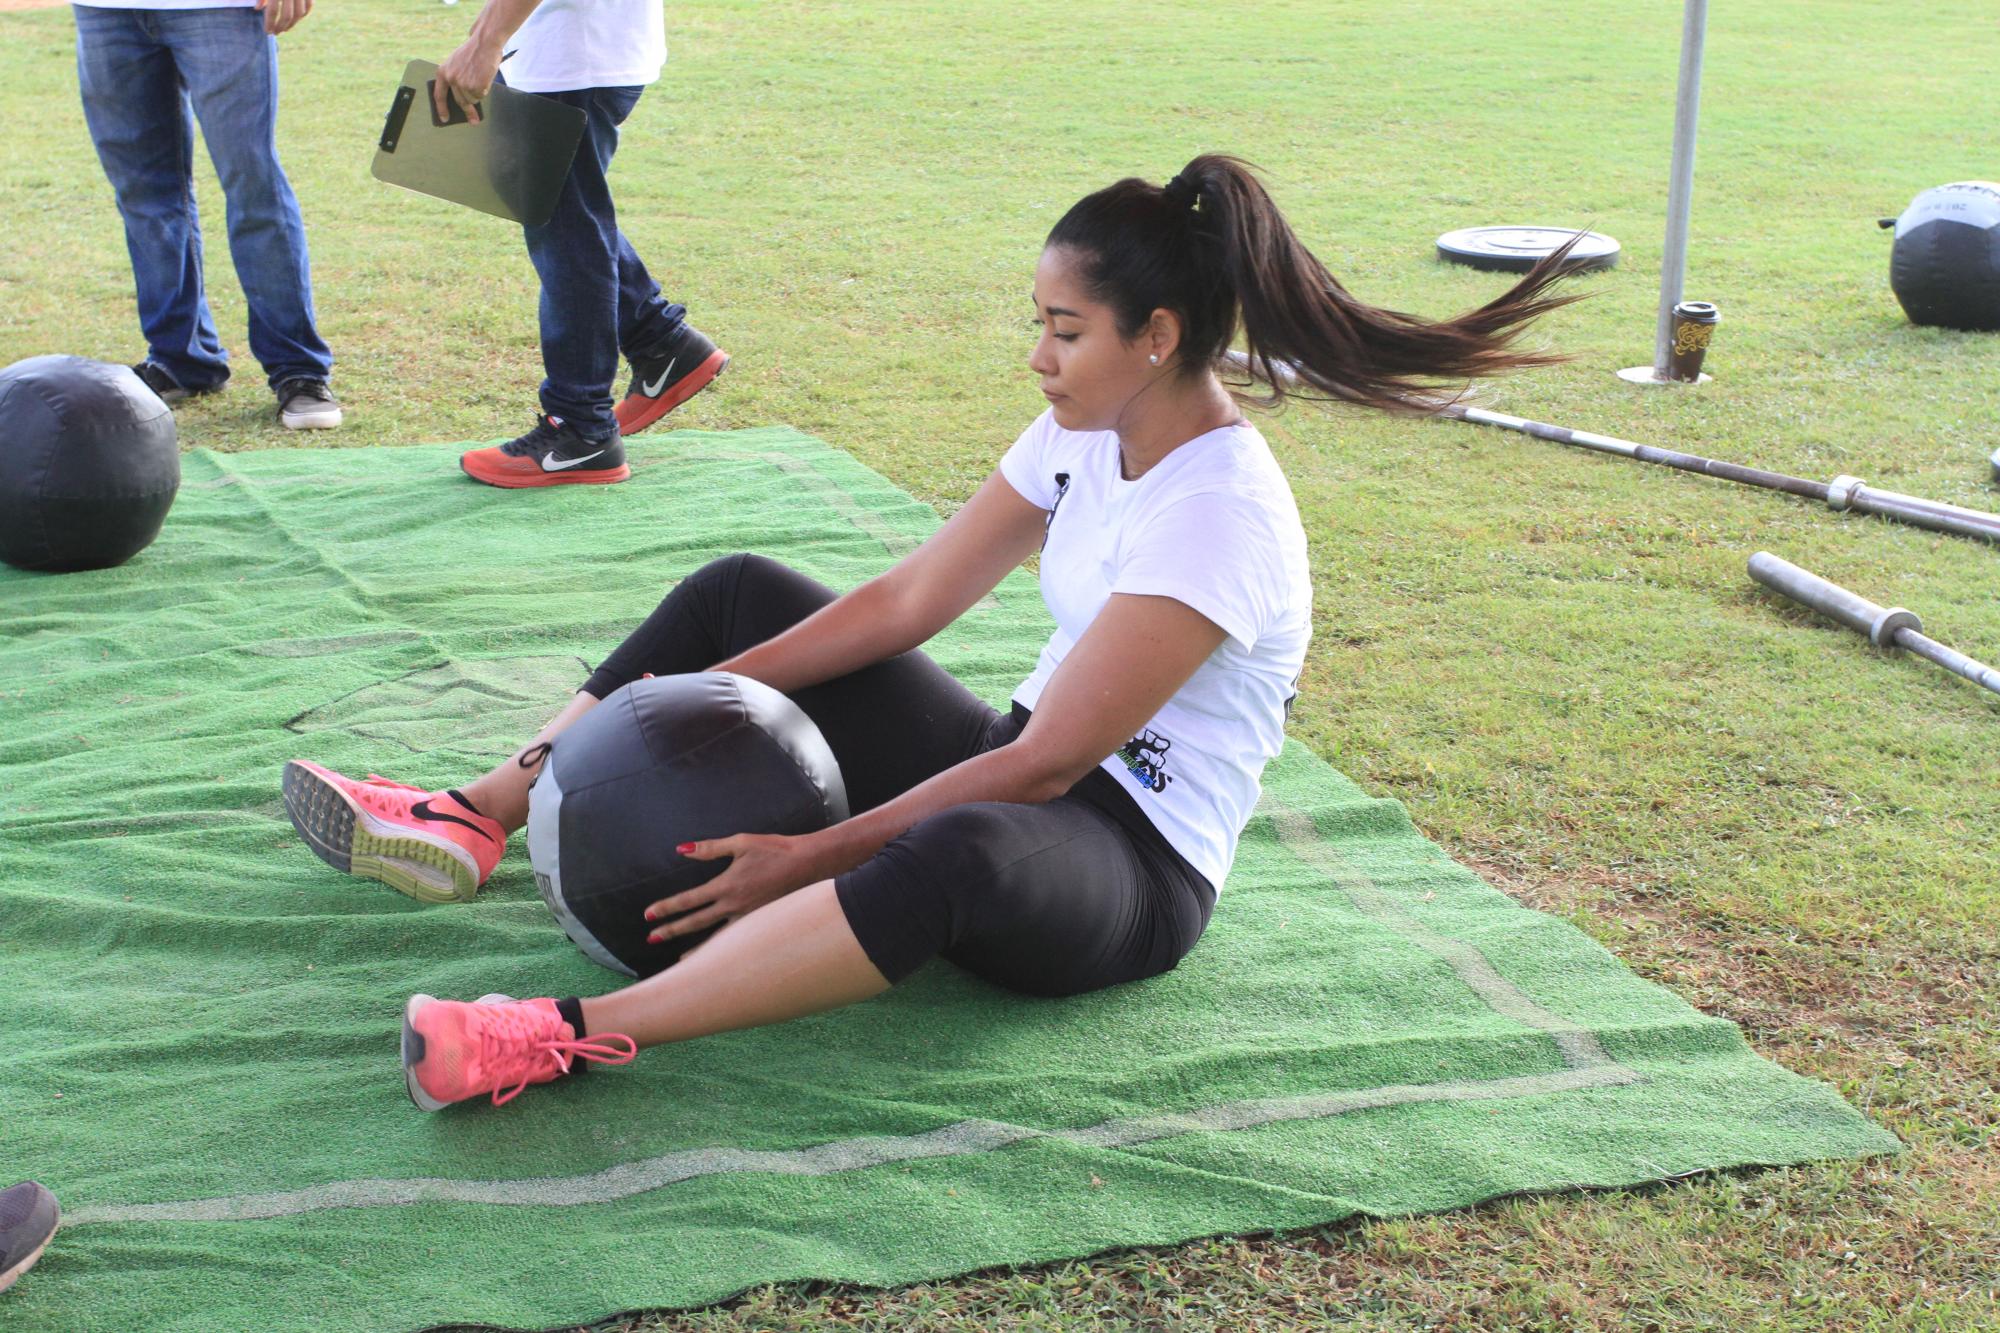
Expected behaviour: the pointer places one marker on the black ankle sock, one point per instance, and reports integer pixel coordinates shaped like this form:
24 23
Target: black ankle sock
572 1014
459 796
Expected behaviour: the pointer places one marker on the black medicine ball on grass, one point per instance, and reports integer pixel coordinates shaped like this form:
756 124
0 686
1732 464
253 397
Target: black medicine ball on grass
89 464
661 762
1945 267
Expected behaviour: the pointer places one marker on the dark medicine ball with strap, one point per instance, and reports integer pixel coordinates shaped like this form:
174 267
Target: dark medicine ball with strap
89 464
1945 267
660 762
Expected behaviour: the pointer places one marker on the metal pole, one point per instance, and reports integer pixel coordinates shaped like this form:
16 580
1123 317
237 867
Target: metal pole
1840 493
1680 183
1892 627
1843 492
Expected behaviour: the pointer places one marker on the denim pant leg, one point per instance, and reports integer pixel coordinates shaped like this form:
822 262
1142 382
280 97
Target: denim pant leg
139 121
230 67
580 258
646 319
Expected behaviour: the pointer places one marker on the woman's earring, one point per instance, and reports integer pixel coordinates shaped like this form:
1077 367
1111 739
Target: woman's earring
1154 359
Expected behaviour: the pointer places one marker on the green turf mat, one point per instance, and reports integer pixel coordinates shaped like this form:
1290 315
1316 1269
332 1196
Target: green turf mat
198 1020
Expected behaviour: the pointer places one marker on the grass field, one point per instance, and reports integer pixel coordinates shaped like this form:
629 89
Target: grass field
1555 659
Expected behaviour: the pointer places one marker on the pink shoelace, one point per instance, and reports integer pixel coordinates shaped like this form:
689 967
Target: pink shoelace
514 1045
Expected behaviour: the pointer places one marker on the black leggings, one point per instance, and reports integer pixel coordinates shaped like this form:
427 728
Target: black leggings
1058 898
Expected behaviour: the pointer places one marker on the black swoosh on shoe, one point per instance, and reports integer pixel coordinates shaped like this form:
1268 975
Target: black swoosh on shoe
422 810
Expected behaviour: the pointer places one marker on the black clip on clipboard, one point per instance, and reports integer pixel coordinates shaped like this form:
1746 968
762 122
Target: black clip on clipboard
512 163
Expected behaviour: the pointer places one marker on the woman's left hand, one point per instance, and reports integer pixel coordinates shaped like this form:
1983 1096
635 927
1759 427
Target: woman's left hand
763 867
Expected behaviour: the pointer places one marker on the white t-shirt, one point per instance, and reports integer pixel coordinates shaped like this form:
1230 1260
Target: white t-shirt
1213 525
570 44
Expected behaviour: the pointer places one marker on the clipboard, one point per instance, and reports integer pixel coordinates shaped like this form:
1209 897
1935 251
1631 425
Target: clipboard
511 164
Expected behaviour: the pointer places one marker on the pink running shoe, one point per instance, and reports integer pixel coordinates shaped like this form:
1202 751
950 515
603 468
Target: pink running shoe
430 845
452 1051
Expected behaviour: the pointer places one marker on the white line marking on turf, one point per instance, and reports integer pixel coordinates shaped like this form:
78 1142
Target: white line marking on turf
1297 834
965 1137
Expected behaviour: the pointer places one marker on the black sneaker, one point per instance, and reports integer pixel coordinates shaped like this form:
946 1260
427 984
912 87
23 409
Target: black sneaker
554 453
28 1217
168 388
305 403
663 382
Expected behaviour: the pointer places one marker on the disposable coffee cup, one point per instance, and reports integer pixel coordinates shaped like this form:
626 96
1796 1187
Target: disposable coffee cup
1694 325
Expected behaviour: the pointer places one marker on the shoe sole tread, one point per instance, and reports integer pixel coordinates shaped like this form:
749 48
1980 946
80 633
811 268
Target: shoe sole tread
339 832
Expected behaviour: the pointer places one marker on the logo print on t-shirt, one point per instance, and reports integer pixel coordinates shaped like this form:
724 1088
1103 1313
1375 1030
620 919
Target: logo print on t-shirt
1062 489
1145 755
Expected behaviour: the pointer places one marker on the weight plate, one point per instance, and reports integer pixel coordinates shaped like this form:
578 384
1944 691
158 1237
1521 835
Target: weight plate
1517 249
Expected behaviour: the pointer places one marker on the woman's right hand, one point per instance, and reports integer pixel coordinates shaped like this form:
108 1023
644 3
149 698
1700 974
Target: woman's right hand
763 867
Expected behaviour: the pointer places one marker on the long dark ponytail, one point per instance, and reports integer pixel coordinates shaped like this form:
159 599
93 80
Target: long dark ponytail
1211 243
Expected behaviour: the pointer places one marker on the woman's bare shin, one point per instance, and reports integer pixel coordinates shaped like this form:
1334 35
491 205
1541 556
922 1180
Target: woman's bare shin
789 958
502 793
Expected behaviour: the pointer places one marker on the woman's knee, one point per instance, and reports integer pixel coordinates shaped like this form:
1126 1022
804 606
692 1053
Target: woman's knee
712 593
724 569
748 578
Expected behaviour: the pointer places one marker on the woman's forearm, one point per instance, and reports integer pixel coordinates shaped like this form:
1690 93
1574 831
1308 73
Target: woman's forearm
1099 696
1014 774
500 20
863 627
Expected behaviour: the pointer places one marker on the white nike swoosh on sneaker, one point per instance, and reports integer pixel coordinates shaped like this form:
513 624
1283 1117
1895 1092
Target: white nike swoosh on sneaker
653 390
561 464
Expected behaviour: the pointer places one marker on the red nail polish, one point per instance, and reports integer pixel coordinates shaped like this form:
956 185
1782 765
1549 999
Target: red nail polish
685 848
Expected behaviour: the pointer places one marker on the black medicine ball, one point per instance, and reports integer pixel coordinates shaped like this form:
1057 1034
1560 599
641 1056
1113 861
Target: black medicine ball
1945 268
88 464
661 762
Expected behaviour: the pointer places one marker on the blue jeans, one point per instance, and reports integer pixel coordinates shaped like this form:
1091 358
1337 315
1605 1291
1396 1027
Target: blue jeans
146 76
598 301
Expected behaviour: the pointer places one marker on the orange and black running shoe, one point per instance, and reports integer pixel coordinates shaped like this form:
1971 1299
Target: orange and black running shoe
662 382
554 453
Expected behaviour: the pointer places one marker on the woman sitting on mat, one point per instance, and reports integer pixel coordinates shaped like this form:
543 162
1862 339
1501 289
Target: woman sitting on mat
1077 842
